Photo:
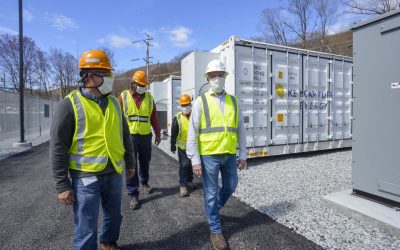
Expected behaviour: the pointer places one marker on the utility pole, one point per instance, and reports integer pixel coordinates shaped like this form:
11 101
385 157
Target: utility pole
21 74
147 41
22 142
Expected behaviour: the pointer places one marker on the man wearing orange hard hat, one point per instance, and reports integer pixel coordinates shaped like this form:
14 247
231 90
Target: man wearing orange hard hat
89 147
140 112
179 131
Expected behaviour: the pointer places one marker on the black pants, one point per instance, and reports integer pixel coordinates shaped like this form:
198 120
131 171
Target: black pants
185 168
142 151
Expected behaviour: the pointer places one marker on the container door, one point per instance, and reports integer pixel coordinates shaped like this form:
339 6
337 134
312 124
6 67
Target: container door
341 100
251 91
176 92
285 104
315 96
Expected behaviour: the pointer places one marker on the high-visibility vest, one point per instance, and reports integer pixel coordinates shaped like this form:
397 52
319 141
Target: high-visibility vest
97 137
217 131
138 118
183 123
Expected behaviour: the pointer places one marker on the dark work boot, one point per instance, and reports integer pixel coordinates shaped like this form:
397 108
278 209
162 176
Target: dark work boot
218 241
184 192
134 204
147 188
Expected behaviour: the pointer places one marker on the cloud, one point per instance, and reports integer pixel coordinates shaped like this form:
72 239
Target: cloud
7 30
118 42
180 36
344 22
28 16
61 22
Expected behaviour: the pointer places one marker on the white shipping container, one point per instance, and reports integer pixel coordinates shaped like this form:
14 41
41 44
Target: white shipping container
292 100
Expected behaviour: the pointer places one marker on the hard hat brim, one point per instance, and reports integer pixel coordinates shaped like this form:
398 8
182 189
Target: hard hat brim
206 74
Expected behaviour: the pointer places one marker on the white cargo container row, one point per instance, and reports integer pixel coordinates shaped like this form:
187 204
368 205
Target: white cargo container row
292 100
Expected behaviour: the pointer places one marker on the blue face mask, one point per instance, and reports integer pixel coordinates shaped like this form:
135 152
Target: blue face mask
140 90
186 109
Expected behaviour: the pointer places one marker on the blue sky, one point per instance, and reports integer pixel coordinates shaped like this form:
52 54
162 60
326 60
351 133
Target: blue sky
177 25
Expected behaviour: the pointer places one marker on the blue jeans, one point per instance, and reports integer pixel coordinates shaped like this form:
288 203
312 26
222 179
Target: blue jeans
142 151
107 190
185 168
215 197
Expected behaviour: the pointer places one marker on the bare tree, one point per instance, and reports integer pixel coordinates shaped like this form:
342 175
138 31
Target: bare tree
371 7
302 22
326 12
42 72
63 69
9 59
111 55
273 26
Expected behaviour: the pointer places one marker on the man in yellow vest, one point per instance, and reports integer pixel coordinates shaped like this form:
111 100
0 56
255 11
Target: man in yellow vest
215 128
179 130
140 112
90 140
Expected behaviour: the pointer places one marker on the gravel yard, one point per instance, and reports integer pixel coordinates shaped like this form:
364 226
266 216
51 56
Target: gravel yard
289 189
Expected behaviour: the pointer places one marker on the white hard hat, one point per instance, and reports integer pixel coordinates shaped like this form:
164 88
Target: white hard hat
215 65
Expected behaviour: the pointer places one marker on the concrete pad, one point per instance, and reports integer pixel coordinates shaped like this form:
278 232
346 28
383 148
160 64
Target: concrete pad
22 145
366 211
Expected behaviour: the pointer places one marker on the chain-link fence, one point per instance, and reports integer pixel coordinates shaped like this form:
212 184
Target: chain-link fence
38 115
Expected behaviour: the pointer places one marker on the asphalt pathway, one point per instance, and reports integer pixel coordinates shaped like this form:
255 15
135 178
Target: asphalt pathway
32 218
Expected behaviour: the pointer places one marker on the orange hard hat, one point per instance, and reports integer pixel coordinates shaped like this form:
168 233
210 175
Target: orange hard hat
184 99
140 78
94 59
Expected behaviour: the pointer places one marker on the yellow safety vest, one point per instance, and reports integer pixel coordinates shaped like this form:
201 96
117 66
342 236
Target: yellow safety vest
183 123
218 132
138 118
97 137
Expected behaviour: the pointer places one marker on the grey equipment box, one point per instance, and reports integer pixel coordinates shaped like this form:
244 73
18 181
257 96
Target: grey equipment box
376 135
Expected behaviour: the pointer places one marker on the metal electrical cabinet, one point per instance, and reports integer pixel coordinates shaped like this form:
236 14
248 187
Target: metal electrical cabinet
173 93
293 100
159 92
376 157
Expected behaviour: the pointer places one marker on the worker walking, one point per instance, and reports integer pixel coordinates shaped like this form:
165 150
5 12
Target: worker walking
140 112
90 140
179 130
215 128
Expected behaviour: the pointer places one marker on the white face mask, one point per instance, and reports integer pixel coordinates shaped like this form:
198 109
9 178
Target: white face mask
106 87
186 109
217 84
140 90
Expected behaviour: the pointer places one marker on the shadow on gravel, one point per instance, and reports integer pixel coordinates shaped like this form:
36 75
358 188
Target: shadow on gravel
260 160
197 235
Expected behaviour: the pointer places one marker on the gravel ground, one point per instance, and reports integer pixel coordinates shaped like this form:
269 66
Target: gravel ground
289 188
7 150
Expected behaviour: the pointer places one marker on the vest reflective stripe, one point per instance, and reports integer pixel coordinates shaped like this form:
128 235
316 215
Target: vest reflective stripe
118 108
88 159
81 124
138 118
218 131
183 123
98 137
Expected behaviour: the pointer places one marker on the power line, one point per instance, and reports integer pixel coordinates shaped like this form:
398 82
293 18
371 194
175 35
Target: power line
147 41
